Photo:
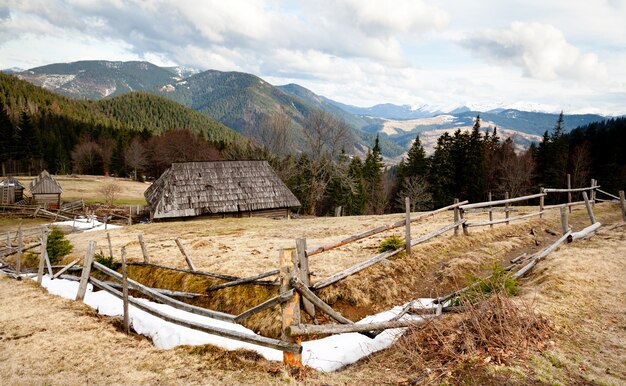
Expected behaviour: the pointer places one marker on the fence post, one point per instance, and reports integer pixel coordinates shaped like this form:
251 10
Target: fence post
569 193
305 276
589 208
338 211
144 250
291 308
407 230
110 247
541 202
461 217
84 278
506 207
623 204
20 247
42 257
490 209
456 217
184 252
564 220
594 183
125 292
9 246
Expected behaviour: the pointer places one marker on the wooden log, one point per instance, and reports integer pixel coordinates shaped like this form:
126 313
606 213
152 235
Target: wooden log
504 220
125 292
541 201
319 303
290 310
249 338
569 192
110 246
592 217
245 280
265 305
506 206
144 250
564 220
182 249
525 269
551 190
608 194
500 202
315 329
377 230
622 202
166 299
456 216
564 205
584 232
518 258
20 248
84 277
199 273
490 209
42 257
305 276
433 311
188 295
66 268
407 225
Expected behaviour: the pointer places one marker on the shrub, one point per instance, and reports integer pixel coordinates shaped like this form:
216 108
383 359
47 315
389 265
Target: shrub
391 244
107 261
500 281
58 246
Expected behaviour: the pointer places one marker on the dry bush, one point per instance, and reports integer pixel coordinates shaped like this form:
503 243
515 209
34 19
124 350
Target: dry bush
110 190
492 330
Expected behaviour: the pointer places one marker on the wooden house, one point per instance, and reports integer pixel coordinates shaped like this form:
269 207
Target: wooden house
46 190
219 188
11 191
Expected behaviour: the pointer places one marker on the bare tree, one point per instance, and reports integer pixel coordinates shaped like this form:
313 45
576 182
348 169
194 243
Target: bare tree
135 156
416 189
514 171
106 152
110 190
86 156
325 135
581 165
274 133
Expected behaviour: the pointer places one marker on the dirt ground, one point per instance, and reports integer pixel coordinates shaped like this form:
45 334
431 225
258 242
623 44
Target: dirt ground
580 288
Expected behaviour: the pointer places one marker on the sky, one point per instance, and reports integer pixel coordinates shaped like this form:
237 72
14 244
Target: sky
548 55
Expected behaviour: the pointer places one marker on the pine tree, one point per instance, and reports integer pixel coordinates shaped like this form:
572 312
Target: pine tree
375 200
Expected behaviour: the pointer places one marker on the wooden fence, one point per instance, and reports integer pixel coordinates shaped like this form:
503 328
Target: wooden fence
297 292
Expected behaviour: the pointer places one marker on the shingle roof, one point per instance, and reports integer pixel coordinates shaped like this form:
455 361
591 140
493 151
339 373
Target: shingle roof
44 183
197 188
11 181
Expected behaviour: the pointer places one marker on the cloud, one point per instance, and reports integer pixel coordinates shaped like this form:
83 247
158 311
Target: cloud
541 50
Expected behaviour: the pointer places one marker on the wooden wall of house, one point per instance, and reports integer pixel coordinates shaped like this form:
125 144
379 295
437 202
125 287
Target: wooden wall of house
50 200
267 213
10 194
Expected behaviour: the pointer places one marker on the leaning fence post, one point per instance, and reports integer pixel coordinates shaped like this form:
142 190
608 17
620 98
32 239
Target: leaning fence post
569 192
407 226
456 217
184 252
541 201
506 207
125 292
110 247
291 308
42 257
144 250
20 247
305 276
589 208
622 201
84 278
564 220
490 209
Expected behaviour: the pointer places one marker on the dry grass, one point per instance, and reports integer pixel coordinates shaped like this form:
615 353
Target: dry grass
89 188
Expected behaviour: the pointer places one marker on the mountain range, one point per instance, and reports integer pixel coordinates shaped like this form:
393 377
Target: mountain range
235 98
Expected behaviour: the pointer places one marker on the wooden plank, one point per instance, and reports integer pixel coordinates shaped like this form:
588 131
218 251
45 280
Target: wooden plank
84 277
166 299
622 202
182 249
290 310
314 329
407 226
66 268
592 217
501 202
254 339
265 305
245 280
485 223
42 256
125 292
303 261
377 230
564 219
144 250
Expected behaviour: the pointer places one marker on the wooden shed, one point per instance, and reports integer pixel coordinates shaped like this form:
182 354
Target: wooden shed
220 188
46 190
11 191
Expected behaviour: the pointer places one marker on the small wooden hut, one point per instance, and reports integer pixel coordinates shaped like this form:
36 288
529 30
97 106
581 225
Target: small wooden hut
219 188
46 190
11 191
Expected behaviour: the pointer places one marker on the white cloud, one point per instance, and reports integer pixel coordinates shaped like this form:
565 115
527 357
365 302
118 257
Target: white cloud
541 50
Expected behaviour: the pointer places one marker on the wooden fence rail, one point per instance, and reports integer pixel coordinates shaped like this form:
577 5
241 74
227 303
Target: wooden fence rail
553 190
501 202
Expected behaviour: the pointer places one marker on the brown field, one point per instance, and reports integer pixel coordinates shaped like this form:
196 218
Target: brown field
88 188
578 288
